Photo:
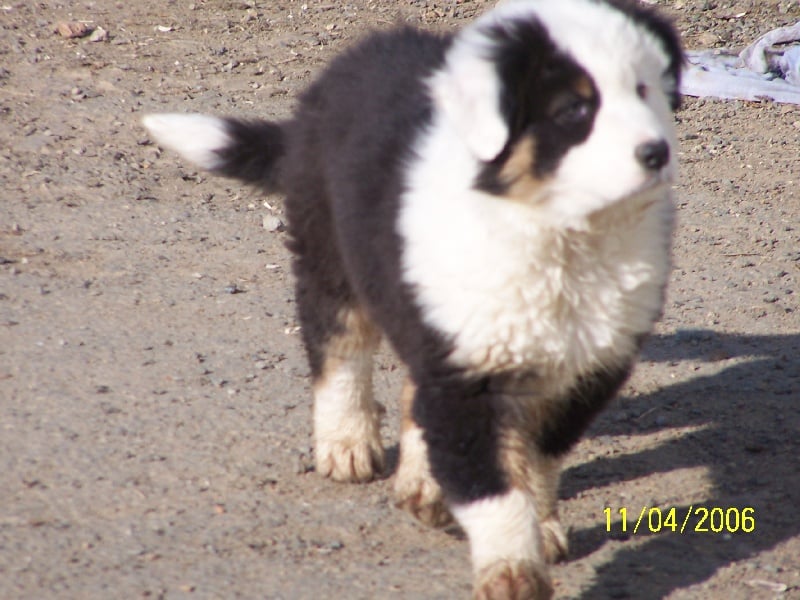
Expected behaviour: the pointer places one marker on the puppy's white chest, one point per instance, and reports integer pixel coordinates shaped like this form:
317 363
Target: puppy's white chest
511 294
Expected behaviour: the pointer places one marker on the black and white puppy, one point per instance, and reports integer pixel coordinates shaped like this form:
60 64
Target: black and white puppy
497 203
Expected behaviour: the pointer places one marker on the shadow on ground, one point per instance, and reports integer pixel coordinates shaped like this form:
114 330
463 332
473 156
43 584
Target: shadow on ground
747 417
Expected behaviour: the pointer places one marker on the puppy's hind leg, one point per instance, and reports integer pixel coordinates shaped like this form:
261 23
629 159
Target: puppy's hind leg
346 416
338 335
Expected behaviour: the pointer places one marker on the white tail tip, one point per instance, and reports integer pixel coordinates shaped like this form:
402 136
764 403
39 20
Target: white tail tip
198 138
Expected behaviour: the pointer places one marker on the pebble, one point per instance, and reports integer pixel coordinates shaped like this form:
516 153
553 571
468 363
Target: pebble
73 29
304 463
99 35
272 223
233 289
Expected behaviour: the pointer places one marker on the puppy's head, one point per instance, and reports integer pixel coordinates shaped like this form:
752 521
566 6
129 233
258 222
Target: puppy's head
565 104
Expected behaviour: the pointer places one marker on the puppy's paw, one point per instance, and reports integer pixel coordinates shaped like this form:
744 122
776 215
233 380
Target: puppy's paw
415 489
554 539
350 460
422 497
507 580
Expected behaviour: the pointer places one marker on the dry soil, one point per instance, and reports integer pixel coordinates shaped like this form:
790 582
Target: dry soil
154 399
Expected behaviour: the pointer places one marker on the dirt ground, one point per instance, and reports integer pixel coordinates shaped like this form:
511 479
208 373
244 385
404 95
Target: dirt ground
154 399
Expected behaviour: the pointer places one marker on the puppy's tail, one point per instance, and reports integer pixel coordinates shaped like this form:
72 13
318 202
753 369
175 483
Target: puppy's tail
246 150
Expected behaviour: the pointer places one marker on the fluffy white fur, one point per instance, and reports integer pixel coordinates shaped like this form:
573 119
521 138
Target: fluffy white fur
501 528
196 137
468 93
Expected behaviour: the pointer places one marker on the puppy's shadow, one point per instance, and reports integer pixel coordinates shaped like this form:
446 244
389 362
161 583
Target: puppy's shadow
743 423
392 458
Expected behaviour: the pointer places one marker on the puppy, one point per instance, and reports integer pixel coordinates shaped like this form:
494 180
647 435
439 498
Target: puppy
496 203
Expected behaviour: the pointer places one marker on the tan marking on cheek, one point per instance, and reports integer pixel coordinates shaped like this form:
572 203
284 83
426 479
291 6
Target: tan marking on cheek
517 172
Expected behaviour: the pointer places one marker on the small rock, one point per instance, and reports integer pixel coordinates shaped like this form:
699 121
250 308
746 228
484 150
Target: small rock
776 587
73 29
99 35
272 223
305 464
233 289
707 39
218 381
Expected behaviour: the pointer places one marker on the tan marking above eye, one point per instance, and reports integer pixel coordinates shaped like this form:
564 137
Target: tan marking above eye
583 87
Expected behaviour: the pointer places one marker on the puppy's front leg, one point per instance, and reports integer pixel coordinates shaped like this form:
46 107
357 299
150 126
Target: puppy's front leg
529 468
544 484
415 489
506 546
463 425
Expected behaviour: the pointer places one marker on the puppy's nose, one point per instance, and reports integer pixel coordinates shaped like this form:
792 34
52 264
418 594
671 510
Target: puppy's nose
653 155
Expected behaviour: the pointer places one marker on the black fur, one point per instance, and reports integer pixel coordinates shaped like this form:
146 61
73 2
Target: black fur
463 417
577 410
254 151
342 175
461 422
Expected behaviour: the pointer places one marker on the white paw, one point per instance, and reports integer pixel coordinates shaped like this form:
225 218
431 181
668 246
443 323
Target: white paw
350 460
510 580
347 423
423 499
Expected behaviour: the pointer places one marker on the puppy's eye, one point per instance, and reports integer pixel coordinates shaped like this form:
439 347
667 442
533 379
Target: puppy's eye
571 111
642 91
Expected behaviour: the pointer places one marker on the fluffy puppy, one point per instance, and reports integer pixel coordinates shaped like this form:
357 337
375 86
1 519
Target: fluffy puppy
496 203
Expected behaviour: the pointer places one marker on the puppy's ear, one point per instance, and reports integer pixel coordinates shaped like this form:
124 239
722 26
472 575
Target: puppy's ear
467 92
